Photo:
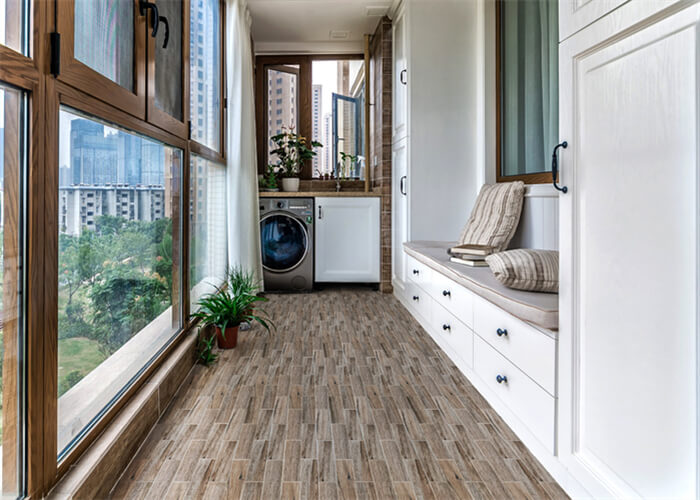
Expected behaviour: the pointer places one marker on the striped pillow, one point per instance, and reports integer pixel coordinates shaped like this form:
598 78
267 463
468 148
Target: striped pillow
526 269
495 215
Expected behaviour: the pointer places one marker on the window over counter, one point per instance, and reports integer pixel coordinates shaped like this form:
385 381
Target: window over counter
208 242
13 168
322 98
527 95
118 264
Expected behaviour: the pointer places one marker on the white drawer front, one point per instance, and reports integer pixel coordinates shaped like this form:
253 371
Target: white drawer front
419 299
528 401
454 297
529 349
418 272
454 333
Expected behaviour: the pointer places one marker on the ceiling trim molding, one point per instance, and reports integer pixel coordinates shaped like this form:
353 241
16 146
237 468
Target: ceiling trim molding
281 48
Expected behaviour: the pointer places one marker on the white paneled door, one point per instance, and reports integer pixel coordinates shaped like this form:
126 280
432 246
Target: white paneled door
347 240
399 229
628 337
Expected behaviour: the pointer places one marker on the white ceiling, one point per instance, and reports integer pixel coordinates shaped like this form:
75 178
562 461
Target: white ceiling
305 26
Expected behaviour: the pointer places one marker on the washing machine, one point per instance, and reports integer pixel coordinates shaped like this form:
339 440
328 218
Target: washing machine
287 243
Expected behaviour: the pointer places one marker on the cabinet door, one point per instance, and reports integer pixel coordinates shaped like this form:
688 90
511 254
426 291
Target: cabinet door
347 240
629 237
577 14
400 87
103 51
168 76
399 227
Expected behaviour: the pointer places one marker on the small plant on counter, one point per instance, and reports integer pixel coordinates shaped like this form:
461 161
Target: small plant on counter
292 151
269 181
347 165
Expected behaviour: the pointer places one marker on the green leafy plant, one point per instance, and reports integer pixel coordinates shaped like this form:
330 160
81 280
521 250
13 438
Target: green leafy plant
230 307
292 151
269 179
205 347
347 165
241 281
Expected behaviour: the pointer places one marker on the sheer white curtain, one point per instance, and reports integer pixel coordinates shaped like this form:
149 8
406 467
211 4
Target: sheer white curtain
241 179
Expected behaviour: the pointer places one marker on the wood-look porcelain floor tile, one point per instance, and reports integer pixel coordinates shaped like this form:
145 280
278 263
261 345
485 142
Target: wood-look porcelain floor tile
347 398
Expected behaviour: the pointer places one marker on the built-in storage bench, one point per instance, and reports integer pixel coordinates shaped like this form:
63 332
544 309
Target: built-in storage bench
503 340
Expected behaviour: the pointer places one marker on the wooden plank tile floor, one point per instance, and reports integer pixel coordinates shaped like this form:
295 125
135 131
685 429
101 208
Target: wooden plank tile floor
348 398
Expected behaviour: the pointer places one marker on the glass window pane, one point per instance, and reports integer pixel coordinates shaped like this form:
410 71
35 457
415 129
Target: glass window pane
119 250
282 103
337 118
12 171
14 32
208 247
529 85
104 38
205 72
168 75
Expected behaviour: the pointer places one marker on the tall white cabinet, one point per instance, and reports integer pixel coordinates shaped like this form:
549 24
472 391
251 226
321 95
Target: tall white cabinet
629 229
434 172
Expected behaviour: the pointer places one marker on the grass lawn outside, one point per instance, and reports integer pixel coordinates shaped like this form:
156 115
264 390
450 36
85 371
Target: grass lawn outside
78 354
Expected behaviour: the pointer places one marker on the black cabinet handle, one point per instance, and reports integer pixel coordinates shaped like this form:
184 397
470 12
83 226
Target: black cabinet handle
143 7
164 20
555 167
446 293
403 77
320 212
416 297
502 332
402 185
501 379
416 271
446 327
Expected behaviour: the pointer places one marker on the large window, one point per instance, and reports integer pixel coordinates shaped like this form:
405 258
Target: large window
205 72
528 88
208 242
13 127
118 263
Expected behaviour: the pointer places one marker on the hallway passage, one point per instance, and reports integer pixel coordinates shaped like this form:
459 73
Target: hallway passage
348 398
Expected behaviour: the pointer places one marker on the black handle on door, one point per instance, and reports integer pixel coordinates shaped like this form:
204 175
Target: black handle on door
555 167
403 77
402 185
164 20
143 7
320 212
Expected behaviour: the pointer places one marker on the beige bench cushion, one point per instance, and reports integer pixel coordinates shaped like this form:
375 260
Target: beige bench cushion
539 309
527 269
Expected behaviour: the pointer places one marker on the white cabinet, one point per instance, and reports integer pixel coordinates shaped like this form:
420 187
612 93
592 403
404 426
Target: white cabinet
399 212
400 85
575 15
347 240
628 348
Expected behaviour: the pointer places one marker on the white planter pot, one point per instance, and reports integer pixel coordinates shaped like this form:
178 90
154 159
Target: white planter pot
290 184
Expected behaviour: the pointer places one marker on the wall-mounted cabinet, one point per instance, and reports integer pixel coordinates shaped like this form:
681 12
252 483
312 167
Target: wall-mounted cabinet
130 54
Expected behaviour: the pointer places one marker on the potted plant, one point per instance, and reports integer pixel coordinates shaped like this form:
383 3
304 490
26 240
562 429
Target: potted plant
268 181
226 309
292 151
347 165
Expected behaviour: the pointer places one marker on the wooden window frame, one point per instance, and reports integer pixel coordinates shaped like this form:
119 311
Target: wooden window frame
79 75
262 62
196 147
536 178
84 89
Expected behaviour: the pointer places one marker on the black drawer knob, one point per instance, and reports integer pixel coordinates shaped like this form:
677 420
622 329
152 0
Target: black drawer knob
502 332
416 271
501 379
446 327
416 297
446 293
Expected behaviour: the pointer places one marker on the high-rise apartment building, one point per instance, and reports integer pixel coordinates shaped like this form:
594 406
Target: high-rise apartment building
281 104
317 125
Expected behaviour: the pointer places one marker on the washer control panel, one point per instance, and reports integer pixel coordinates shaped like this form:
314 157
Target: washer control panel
298 206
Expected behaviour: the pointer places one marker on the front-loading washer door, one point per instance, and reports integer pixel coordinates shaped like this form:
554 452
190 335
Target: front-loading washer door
284 242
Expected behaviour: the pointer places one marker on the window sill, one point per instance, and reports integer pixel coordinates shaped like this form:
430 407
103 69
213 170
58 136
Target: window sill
96 472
